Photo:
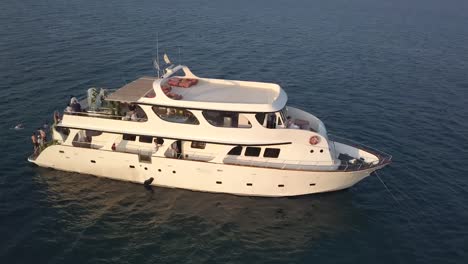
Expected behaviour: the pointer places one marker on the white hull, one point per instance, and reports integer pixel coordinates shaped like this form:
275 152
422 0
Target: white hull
198 175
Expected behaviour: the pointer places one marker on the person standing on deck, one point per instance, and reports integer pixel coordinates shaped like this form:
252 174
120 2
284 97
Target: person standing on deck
43 136
35 143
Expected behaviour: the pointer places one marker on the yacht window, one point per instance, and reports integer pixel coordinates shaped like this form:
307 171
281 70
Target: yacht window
226 119
271 120
271 152
252 151
260 118
159 141
283 113
93 133
198 145
129 137
146 139
280 122
131 112
235 151
175 115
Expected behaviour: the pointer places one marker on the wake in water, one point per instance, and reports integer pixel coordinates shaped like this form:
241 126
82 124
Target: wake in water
19 126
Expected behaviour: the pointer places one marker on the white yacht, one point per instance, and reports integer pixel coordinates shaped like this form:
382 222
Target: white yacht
202 134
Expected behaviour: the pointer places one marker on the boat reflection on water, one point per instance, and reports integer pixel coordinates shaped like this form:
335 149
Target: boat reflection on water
174 220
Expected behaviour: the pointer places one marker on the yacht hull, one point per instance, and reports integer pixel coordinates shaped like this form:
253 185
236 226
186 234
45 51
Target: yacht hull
197 175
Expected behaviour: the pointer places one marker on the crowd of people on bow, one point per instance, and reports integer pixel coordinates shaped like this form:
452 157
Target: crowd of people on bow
39 139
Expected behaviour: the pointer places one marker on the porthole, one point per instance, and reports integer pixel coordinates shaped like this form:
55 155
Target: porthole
321 151
159 170
311 151
173 172
146 168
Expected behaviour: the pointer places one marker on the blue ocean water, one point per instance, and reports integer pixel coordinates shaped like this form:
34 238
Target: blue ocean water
390 74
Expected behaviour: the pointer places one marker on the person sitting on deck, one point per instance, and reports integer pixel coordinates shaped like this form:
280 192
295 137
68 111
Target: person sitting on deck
76 107
73 99
290 123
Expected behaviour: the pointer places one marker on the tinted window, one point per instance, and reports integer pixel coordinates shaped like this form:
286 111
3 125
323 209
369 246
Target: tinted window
260 118
226 119
129 137
146 139
198 145
175 115
252 151
271 152
235 151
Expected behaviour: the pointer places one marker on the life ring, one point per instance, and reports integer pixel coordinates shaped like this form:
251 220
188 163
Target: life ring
314 140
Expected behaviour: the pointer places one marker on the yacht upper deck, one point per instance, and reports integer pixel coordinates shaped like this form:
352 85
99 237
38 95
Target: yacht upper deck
210 94
133 91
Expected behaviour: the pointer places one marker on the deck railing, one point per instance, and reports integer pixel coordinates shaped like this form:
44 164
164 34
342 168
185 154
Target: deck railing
384 158
283 164
106 116
145 153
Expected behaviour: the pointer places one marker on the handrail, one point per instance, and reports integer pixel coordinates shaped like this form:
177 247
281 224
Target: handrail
284 164
280 163
106 116
384 158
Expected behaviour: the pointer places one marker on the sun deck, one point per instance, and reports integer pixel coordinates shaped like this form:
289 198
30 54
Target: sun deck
214 94
133 91
226 91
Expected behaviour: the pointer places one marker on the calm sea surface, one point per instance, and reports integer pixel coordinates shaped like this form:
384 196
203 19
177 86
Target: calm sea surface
392 74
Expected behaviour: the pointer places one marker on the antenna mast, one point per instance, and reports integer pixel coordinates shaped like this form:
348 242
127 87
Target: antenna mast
157 53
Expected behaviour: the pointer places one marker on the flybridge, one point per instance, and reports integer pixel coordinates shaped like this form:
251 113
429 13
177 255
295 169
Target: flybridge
215 94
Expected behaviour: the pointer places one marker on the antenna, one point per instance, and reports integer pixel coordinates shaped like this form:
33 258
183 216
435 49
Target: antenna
157 55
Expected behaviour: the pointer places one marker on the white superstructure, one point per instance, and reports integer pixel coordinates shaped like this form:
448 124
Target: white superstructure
204 134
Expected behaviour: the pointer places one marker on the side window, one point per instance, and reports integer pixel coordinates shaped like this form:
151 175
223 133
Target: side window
146 139
280 122
271 152
235 151
129 137
226 119
132 112
198 145
260 118
252 151
175 115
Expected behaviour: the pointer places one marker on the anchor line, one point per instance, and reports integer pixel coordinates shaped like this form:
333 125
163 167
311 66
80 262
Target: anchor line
394 198
386 187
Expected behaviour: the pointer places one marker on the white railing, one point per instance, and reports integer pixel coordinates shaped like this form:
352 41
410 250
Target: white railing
106 116
280 163
384 158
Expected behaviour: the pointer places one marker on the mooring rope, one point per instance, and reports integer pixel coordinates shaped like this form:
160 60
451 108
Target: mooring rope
386 187
395 199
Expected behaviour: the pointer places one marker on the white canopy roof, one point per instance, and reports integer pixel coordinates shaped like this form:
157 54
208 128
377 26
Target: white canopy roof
218 94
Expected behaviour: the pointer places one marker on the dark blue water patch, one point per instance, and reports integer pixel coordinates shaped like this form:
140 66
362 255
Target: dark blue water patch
390 74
